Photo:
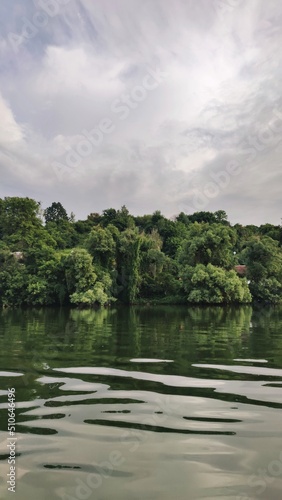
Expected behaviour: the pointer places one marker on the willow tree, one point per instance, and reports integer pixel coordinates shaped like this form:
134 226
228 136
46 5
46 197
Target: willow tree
102 246
128 264
214 285
83 286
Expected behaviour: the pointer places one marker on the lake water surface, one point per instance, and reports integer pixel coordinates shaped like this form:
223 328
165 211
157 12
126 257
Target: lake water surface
151 403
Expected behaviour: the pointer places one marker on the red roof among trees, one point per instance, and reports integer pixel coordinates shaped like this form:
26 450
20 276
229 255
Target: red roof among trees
241 269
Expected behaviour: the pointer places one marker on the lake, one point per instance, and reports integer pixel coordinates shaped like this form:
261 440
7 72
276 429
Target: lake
148 403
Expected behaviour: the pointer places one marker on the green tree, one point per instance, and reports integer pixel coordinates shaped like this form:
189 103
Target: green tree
128 264
79 271
263 258
46 283
16 212
60 227
55 213
213 285
63 233
208 244
102 246
81 278
20 223
244 234
219 216
273 232
119 218
13 280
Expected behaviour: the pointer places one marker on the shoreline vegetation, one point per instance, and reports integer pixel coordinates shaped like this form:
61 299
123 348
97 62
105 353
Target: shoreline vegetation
47 258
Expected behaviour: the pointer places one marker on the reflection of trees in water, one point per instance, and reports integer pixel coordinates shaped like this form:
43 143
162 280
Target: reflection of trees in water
36 337
137 329
35 341
171 332
220 333
267 327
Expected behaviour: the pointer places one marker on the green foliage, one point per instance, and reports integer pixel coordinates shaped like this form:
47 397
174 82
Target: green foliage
81 278
208 244
267 289
161 282
133 259
17 212
60 227
171 232
13 279
20 224
91 297
55 213
37 291
102 246
219 216
273 232
63 234
79 271
265 252
121 219
144 223
213 285
263 258
244 234
128 264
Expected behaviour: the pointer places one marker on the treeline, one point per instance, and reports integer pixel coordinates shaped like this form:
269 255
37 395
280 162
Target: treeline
49 258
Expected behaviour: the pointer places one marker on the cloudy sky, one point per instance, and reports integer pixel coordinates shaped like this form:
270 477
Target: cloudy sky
156 104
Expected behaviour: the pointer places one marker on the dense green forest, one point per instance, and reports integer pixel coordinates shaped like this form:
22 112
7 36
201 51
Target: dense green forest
49 258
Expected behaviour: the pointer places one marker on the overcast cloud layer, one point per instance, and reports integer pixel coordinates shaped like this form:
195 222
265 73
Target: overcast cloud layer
155 104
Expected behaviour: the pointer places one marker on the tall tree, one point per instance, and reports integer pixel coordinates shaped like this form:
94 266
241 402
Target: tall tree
208 244
21 225
263 259
55 213
128 264
102 246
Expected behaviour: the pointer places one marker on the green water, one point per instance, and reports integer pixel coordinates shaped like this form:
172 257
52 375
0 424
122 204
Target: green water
143 403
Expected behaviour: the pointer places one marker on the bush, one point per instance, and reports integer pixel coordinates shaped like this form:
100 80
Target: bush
213 285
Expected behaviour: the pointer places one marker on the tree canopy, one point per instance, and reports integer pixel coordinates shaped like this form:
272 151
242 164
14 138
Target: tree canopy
48 258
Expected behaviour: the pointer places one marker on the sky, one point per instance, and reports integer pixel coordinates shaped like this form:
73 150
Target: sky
154 104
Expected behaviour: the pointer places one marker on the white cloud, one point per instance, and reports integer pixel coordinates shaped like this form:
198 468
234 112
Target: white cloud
222 87
73 71
10 131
